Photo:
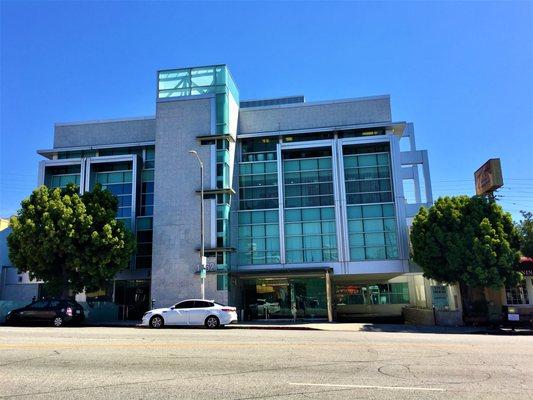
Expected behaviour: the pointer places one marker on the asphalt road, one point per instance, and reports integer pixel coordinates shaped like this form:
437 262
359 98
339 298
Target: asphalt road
133 363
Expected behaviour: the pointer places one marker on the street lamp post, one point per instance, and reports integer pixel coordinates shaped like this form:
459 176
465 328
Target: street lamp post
202 257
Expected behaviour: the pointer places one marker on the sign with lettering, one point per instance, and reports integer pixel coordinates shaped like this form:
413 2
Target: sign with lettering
439 296
210 265
488 177
513 317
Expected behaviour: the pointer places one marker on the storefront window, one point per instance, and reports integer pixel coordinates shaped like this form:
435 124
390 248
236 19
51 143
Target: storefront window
372 294
517 295
275 298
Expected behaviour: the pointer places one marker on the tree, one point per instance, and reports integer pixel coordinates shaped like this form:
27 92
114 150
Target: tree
469 240
525 230
71 242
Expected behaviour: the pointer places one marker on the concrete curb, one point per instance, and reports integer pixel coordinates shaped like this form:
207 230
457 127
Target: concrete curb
366 328
278 327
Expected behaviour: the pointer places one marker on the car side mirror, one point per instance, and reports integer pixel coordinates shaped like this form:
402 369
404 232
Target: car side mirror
172 307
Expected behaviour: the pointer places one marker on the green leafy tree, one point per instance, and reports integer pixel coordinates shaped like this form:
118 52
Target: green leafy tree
525 230
466 240
71 242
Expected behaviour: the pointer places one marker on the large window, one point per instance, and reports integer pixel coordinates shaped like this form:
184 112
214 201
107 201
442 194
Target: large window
368 178
117 178
369 203
60 177
372 232
308 182
258 185
310 235
144 242
259 237
147 183
310 230
517 295
258 203
76 154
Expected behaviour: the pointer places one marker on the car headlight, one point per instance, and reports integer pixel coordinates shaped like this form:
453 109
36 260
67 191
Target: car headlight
147 313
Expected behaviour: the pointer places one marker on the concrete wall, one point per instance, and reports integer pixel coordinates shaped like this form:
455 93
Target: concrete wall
104 132
367 310
176 203
420 316
10 287
315 115
4 251
23 292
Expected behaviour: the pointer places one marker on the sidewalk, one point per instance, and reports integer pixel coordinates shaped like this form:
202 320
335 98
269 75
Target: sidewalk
356 327
347 327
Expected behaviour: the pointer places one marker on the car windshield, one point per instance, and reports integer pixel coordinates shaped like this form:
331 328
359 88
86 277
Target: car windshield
220 304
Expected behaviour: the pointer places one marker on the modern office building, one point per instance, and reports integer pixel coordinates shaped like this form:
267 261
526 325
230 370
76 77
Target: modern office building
305 208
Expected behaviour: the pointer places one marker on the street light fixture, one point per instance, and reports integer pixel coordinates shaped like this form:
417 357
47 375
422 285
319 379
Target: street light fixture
202 257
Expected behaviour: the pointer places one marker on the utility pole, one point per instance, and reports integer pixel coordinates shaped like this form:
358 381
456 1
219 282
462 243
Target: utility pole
202 257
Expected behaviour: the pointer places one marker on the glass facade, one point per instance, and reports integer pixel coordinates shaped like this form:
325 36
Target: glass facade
310 230
258 203
198 81
372 294
369 203
259 237
310 224
144 228
60 177
117 177
75 154
214 80
144 236
278 298
147 183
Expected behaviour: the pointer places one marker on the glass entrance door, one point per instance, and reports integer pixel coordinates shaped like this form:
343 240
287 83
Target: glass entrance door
132 297
285 298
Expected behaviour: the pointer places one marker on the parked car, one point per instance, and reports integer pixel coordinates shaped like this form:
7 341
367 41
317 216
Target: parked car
191 312
56 312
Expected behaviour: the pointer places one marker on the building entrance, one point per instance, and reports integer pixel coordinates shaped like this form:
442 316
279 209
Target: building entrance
133 298
285 298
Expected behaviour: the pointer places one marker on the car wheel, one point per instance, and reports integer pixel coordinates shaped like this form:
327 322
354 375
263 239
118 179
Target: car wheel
156 322
212 322
58 322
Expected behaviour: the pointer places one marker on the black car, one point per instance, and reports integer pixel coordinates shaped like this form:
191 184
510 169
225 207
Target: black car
56 312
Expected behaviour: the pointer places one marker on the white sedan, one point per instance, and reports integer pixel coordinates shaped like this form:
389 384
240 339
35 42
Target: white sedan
191 312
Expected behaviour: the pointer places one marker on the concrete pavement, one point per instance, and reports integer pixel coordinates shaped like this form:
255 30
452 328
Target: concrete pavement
129 363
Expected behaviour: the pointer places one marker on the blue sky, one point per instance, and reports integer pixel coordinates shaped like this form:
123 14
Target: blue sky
462 72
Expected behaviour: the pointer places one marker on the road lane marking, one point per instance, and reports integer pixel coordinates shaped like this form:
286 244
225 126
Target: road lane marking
368 387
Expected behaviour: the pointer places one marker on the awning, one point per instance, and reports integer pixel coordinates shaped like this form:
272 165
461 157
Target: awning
525 266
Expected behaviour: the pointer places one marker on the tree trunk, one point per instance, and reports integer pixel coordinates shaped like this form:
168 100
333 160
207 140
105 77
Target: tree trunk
64 286
465 299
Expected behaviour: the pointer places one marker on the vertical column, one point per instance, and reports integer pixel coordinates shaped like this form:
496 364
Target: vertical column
329 298
399 200
427 178
281 204
340 203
